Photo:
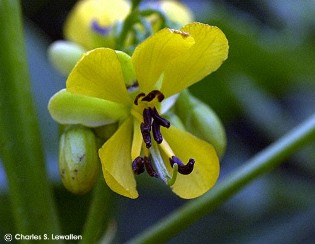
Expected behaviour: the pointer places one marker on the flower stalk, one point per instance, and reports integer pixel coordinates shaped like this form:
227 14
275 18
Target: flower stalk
263 162
21 150
99 213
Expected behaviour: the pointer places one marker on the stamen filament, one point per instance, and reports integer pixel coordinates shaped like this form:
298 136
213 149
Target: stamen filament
167 149
137 140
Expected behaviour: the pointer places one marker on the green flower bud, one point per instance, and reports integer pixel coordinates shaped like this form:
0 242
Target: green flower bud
63 55
78 159
127 68
106 131
175 120
201 121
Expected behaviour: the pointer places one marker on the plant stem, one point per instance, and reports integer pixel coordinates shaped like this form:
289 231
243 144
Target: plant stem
263 162
135 4
99 213
20 143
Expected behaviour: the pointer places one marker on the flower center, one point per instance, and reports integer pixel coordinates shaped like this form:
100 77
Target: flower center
152 120
145 105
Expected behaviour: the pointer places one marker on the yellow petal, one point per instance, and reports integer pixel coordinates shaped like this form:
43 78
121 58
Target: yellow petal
68 108
98 74
116 161
206 169
152 56
78 26
205 56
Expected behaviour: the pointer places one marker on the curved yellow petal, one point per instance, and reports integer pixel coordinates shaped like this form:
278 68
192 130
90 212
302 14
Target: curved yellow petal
205 56
153 55
78 25
116 161
206 169
68 108
99 74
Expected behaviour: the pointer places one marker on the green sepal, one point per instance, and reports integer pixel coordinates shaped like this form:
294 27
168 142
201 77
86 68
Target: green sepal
69 108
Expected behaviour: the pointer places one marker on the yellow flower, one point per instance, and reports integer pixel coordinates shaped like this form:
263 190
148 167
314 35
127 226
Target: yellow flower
90 22
164 64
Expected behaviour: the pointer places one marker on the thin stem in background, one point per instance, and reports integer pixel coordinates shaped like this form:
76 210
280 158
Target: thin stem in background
99 214
20 143
263 162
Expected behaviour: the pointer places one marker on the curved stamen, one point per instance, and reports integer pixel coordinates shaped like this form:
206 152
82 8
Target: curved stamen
160 120
145 131
183 169
153 94
147 117
137 97
157 135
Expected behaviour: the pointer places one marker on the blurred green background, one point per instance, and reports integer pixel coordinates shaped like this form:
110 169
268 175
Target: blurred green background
264 89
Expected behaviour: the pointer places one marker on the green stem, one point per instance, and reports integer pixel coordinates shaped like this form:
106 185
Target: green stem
263 162
135 4
132 18
20 143
99 213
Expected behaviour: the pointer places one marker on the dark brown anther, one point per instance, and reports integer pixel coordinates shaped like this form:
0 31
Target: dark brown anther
145 131
153 94
138 165
157 135
160 120
149 168
183 169
147 117
159 95
137 98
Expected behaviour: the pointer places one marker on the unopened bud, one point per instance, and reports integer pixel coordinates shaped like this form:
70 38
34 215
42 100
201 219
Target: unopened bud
63 55
175 120
78 159
90 23
177 12
173 14
200 120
